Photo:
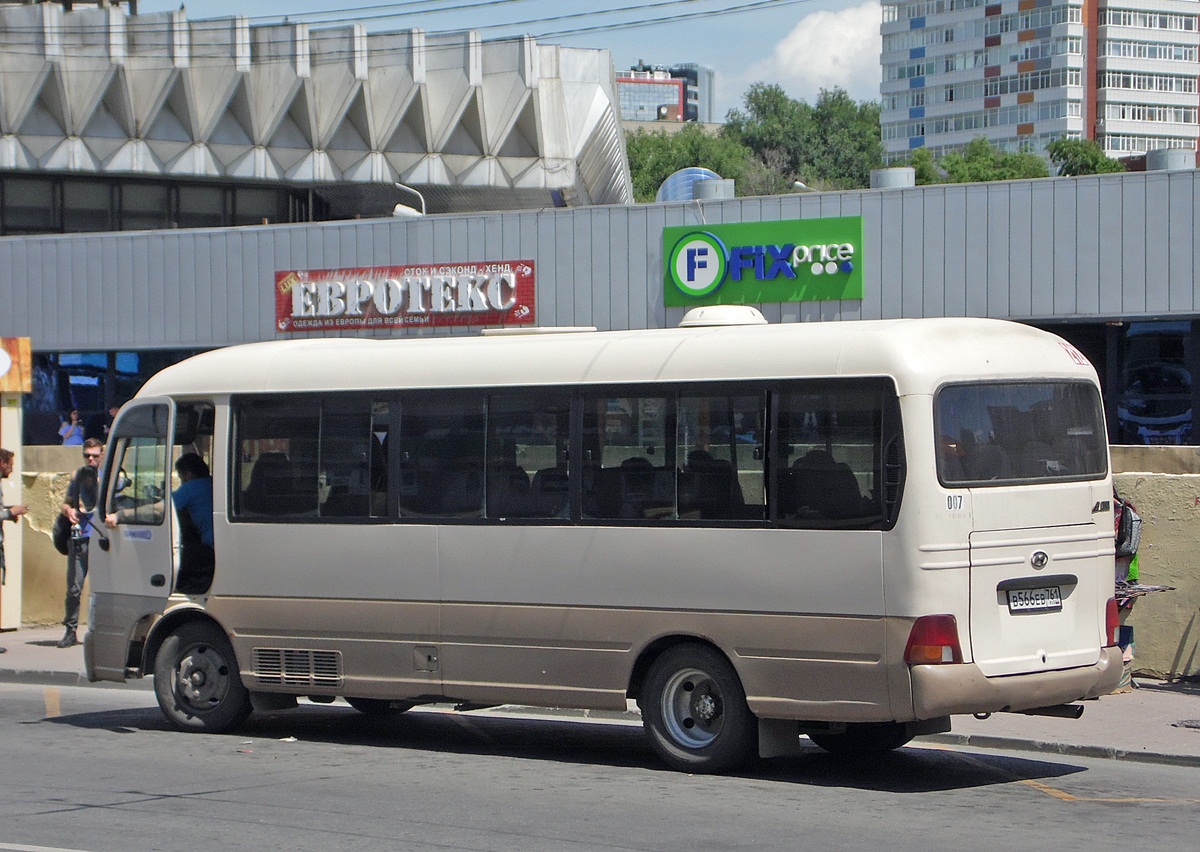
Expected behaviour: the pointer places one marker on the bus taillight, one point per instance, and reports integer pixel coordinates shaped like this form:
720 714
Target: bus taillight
933 640
1112 624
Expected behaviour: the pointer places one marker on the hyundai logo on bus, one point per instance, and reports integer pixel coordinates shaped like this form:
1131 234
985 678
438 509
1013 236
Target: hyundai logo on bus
482 293
743 263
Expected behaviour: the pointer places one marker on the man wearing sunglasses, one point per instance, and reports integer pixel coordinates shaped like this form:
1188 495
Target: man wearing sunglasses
82 495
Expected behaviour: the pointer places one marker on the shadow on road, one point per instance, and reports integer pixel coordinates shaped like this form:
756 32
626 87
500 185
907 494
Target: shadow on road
913 769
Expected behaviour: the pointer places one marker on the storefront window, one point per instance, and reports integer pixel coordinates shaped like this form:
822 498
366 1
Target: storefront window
1155 401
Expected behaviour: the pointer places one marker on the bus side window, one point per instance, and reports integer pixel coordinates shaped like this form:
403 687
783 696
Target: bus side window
833 436
277 463
442 447
142 455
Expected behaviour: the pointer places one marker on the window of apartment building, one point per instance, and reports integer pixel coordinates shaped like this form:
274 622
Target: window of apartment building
1149 50
1147 20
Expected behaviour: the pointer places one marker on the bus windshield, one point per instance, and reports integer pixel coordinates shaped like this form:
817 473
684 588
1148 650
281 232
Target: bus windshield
1002 432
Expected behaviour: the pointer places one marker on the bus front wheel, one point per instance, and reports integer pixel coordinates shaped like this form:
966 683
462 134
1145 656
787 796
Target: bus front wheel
695 712
196 680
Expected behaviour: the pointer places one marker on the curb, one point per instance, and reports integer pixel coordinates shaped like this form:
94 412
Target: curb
50 678
1042 747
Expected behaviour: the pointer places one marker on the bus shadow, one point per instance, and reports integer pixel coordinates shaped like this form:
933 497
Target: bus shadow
913 769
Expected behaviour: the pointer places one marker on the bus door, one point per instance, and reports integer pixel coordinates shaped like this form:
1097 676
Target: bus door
137 558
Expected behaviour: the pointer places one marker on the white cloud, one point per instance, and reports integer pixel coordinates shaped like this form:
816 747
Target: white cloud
824 50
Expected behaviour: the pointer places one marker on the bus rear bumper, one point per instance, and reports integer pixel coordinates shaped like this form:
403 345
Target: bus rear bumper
955 689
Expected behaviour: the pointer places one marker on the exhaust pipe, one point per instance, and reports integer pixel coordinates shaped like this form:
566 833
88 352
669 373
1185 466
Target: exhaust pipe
1062 711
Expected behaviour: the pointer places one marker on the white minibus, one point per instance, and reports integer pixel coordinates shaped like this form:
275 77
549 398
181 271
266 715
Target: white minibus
846 530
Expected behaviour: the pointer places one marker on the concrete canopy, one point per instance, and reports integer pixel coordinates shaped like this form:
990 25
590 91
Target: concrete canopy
448 112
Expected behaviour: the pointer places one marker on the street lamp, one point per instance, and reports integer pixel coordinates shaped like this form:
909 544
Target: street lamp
407 210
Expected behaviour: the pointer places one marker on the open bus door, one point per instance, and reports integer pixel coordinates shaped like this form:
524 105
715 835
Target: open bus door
132 566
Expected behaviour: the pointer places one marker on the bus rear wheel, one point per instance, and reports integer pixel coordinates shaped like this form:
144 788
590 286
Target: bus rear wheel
196 680
864 738
695 712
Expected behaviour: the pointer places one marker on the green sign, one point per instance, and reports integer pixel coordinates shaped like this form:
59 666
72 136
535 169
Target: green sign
800 260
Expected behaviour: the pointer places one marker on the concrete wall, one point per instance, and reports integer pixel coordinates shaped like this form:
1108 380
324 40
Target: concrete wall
46 474
1166 625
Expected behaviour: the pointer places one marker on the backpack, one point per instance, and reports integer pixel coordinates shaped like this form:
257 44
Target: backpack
61 534
1128 527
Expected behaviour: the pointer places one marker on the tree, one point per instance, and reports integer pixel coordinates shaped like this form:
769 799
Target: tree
979 161
1074 157
925 170
847 140
833 144
654 156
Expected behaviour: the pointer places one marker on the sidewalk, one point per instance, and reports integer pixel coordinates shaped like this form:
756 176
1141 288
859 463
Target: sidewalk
1158 722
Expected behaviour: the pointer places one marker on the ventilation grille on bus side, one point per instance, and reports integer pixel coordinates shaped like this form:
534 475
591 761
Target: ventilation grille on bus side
298 667
893 477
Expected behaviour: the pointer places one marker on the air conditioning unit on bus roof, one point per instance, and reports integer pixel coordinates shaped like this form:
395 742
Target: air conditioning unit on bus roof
722 315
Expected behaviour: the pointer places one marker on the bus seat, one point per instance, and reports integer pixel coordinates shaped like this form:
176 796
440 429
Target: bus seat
507 491
708 488
986 461
646 491
548 495
272 486
826 487
462 490
1033 459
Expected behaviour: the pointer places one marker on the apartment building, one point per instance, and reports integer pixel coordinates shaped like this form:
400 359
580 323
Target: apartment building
1023 73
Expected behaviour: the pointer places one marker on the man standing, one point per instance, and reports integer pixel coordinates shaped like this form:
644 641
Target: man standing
7 513
82 495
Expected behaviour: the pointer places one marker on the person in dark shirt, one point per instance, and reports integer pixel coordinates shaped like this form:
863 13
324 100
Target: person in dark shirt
78 506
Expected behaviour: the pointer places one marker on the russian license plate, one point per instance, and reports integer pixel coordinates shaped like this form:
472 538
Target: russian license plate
1034 600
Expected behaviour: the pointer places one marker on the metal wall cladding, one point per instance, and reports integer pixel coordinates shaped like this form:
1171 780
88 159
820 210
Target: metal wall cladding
1101 247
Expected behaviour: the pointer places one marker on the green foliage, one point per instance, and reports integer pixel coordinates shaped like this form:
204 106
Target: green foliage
1074 157
831 145
980 161
925 170
774 141
654 156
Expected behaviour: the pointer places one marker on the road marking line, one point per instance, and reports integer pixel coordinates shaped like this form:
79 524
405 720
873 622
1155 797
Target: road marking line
1063 795
53 699
1119 800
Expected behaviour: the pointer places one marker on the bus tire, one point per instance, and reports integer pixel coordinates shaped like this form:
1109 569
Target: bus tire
864 739
378 706
196 680
694 711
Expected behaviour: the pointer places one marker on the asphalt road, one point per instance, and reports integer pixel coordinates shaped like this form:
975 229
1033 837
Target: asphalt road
97 769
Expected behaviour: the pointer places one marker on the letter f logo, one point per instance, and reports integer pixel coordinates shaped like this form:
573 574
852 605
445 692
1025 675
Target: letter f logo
697 264
695 261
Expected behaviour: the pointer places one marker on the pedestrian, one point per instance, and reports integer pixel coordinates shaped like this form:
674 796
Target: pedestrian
7 513
71 430
82 495
99 425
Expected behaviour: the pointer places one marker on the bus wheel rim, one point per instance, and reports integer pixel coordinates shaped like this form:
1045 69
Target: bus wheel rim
202 677
693 708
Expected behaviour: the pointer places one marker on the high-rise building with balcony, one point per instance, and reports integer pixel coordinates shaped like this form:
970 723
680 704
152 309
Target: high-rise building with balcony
1023 73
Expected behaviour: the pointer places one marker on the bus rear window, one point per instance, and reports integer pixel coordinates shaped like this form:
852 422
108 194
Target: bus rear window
1003 432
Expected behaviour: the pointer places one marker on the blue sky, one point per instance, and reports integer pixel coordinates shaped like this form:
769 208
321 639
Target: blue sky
803 45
